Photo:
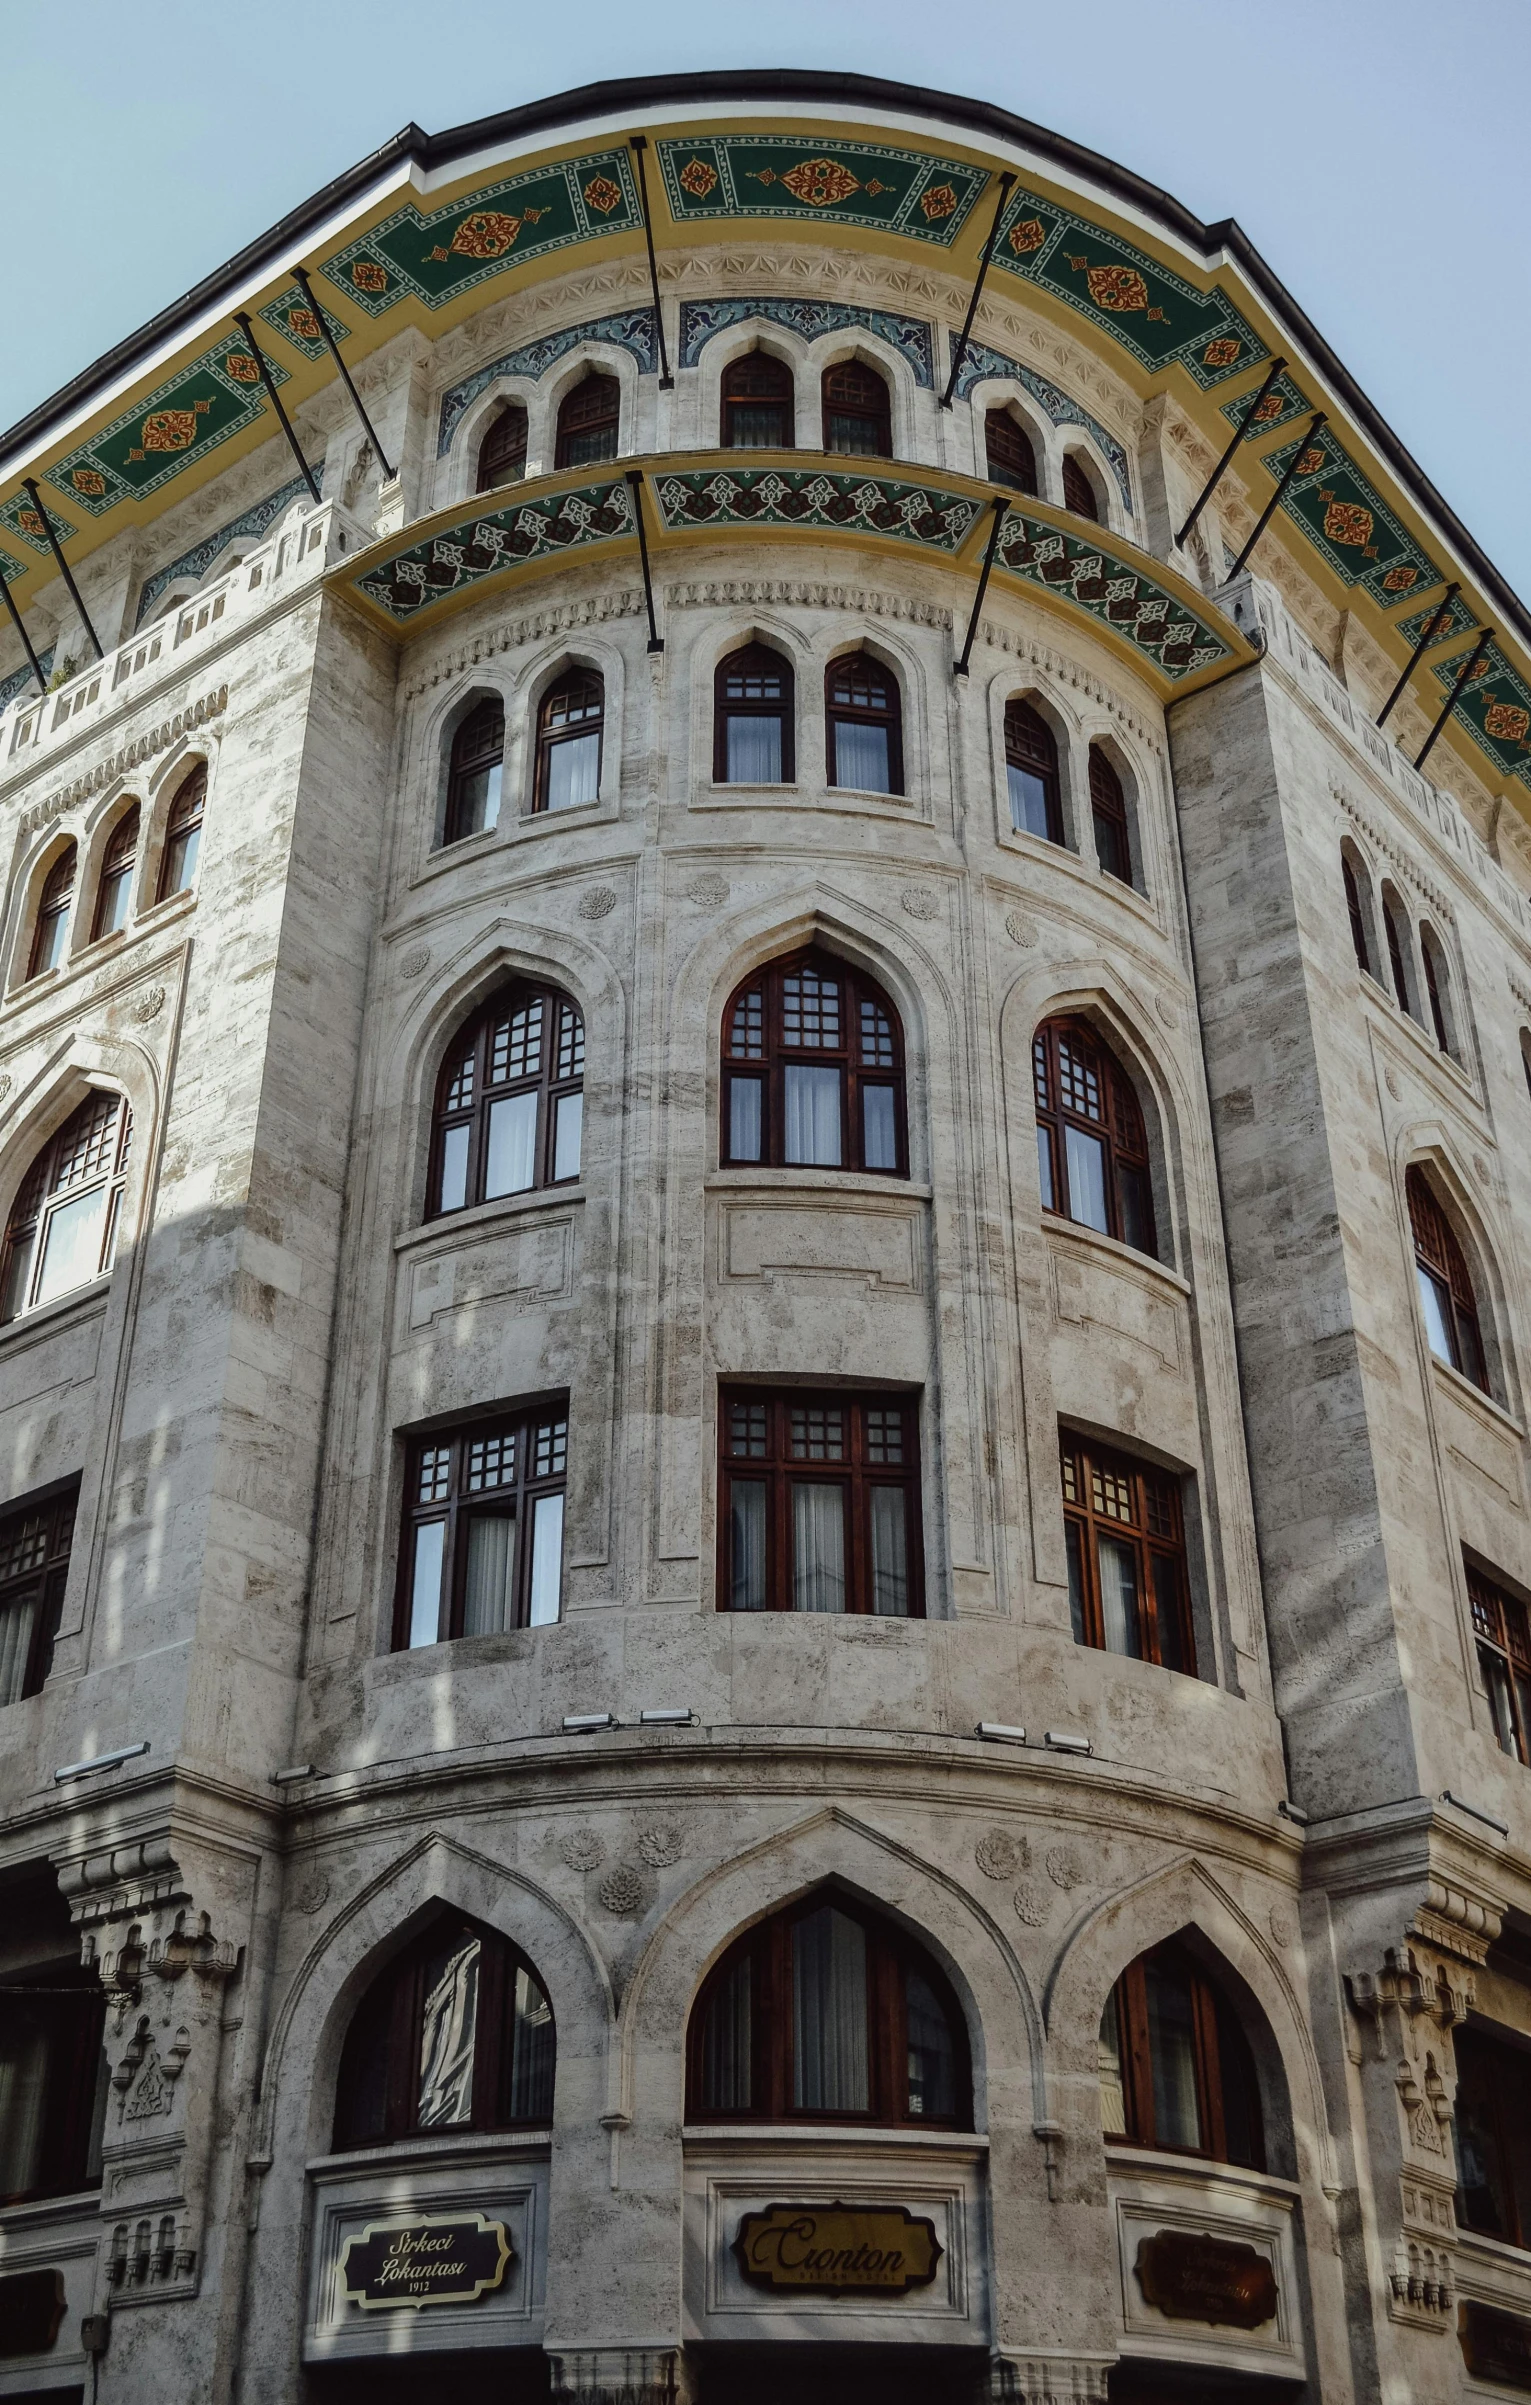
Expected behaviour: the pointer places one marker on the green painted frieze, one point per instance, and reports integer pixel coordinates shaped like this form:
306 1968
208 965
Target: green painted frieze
1496 710
852 183
217 396
911 513
1348 520
438 256
292 316
426 573
1162 626
1285 400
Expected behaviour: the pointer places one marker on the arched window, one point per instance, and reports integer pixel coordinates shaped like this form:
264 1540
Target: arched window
1124 1529
1011 458
1436 985
813 1070
53 902
114 890
1356 915
1079 494
758 413
587 422
1031 772
1092 1150
1445 1287
502 453
183 834
456 2035
1176 2070
827 2013
510 1100
857 413
1397 951
473 777
62 1231
53 2070
569 728
752 718
1108 815
864 735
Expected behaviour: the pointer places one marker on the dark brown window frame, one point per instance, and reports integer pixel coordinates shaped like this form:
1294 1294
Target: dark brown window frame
1217 2033
503 444
583 686
392 2012
754 661
1395 929
755 1045
443 1461
104 1117
779 1469
1355 912
1122 1129
55 900
1018 475
869 403
1155 1533
477 746
183 829
36 1540
71 2012
1438 1255
1109 819
776 387
118 861
1429 946
767 1948
839 712
1032 747
591 406
1502 1633
550 1081
1493 2105
1079 494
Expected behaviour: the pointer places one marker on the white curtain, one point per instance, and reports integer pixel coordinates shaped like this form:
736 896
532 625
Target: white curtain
829 2014
726 2043
488 1601
16 1623
879 1135
890 1553
574 770
1119 1596
23 2082
747 1545
446 2039
1172 2057
744 1118
861 757
754 751
818 1547
1087 1179
812 1099
512 1145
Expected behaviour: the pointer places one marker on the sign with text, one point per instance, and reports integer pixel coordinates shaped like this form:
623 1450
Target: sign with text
31 2309
838 2250
1496 2345
1191 2276
441 2259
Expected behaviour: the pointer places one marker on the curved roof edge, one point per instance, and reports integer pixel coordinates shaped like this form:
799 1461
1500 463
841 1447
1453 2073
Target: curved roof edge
272 248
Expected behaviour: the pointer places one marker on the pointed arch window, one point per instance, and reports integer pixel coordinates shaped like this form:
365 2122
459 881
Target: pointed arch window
570 724
587 422
1092 1146
1079 494
1176 2069
758 404
864 725
1108 816
1397 952
183 834
1445 1284
1356 915
502 453
752 718
509 1100
114 889
52 928
1435 986
858 419
62 1231
1011 459
1124 1528
1031 773
456 2035
35 1542
475 772
828 2013
813 1070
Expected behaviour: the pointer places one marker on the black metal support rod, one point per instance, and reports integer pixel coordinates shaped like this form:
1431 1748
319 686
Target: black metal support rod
62 565
1319 418
638 145
26 640
960 352
999 505
275 398
301 276
1464 673
635 483
1218 473
1437 618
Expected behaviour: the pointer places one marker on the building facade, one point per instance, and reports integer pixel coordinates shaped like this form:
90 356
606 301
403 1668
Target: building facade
764 1581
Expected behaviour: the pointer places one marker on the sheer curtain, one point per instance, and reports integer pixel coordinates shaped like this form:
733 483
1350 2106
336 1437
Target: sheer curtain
489 1589
23 2086
1172 2054
15 1645
512 1146
574 770
1119 1596
747 1545
830 2071
531 2053
727 2042
861 757
818 1547
446 2038
812 1098
754 751
1087 1179
890 1553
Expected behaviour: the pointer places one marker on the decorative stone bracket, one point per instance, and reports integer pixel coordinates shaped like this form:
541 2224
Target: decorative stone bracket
1406 2004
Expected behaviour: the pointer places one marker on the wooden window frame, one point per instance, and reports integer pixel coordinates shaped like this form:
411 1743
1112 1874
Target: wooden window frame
862 407
396 1999
1395 933
103 1122
730 401
478 744
852 713
183 824
117 862
1502 1632
551 1081
1438 1255
1356 914
755 1044
1080 497
857 1472
1109 819
1155 1532
1020 474
1433 977
767 1947
36 1540
1213 2018
1122 1126
54 904
570 426
444 1460
497 447
749 660
1494 2087
1023 751
73 2013
550 734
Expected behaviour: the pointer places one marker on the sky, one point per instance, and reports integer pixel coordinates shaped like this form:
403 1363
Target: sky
1375 151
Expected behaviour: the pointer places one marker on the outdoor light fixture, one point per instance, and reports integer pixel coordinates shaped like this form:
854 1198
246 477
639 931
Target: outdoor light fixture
95 1762
290 1776
1001 1732
1062 1743
680 1716
576 1724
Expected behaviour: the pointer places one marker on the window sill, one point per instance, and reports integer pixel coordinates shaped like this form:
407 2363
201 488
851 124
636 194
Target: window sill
47 1315
162 914
817 1181
1070 1232
512 828
784 2134
1089 872
72 2207
1497 2251
486 1214
1155 2163
1473 1398
803 797
420 2153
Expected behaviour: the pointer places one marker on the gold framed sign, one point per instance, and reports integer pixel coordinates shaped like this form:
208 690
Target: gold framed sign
439 2259
838 2250
1495 2345
1191 2276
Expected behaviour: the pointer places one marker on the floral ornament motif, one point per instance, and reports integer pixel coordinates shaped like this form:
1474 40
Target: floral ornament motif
622 1891
919 902
1021 930
314 1893
29 522
697 178
1029 235
582 1850
1506 721
241 367
416 961
304 324
149 1005
598 903
1030 1906
485 234
1222 353
1312 460
999 1855
661 1844
1120 289
707 890
1348 522
168 430
602 195
1063 1868
1271 407
88 480
1400 580
938 202
367 276
820 183
809 497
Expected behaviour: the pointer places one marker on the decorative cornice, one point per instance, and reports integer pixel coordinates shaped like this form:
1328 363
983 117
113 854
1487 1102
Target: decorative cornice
1406 868
597 609
106 772
806 593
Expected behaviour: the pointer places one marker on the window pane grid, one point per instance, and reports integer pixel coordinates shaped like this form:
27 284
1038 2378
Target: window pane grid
463 1569
63 1226
507 1117
831 1089
570 726
1503 1630
1092 1145
1129 1591
825 1517
35 1544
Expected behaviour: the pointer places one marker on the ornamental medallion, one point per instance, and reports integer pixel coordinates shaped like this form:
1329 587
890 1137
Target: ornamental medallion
602 195
487 234
1223 353
1348 522
241 367
367 276
939 201
697 178
1506 721
169 430
820 182
1119 288
1027 236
